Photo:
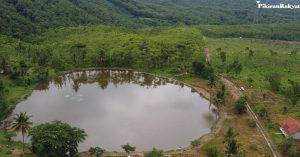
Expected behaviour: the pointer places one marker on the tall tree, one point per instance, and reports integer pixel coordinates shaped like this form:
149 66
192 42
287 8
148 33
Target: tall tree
219 99
78 53
5 65
22 124
231 144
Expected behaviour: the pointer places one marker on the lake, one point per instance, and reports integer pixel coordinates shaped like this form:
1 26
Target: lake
116 107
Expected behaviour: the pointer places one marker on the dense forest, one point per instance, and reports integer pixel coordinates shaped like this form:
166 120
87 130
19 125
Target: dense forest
20 18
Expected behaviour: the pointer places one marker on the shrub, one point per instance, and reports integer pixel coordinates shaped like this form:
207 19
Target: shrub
195 143
203 70
263 111
274 80
211 150
286 144
155 153
240 105
8 152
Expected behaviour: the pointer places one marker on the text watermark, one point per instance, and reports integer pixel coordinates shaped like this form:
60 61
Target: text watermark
261 5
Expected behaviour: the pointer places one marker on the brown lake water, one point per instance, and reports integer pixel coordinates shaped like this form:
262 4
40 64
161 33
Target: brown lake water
119 107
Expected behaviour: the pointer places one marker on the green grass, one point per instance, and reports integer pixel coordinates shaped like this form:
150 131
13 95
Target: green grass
7 146
263 63
257 68
259 31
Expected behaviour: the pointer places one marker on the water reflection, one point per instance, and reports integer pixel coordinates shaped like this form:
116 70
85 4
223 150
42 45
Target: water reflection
104 77
119 107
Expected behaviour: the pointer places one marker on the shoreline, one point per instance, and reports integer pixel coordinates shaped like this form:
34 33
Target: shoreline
201 91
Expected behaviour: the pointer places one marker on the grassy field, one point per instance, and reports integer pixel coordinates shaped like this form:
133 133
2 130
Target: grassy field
255 71
262 63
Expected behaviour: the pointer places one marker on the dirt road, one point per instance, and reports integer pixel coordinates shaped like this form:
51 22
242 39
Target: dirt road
237 93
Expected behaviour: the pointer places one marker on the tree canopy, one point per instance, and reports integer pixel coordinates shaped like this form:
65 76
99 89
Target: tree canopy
56 139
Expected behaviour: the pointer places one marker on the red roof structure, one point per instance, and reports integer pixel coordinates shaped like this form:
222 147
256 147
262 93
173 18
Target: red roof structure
290 126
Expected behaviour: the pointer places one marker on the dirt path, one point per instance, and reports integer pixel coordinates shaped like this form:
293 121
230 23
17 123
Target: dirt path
236 93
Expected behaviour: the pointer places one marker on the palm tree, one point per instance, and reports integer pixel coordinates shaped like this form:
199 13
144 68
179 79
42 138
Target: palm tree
22 124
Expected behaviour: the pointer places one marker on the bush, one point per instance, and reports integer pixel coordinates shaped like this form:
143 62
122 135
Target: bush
8 152
263 111
211 150
155 153
286 144
274 80
240 105
203 70
195 143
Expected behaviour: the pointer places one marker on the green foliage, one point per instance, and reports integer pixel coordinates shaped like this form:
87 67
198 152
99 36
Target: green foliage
211 150
231 144
203 70
8 152
96 151
240 105
274 80
155 153
56 139
235 67
151 48
219 99
195 143
8 135
293 92
294 152
223 56
263 111
286 144
22 18
127 148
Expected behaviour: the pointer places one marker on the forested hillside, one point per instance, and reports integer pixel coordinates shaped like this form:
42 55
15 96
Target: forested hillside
20 18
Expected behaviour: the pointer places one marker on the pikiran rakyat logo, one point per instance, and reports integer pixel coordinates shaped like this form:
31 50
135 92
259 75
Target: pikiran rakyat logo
261 5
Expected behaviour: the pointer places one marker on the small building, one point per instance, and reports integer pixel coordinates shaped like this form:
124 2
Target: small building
290 127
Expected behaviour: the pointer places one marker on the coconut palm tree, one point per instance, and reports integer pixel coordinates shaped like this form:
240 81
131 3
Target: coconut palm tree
22 124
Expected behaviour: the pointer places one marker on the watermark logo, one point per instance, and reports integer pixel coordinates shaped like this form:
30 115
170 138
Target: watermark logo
261 5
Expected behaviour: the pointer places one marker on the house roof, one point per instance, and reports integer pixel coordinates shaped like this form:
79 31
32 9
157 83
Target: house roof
290 126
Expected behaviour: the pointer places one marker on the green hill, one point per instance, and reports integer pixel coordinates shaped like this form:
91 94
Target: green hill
21 18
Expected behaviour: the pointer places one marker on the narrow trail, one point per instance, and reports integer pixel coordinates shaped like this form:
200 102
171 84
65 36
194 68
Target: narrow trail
236 93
